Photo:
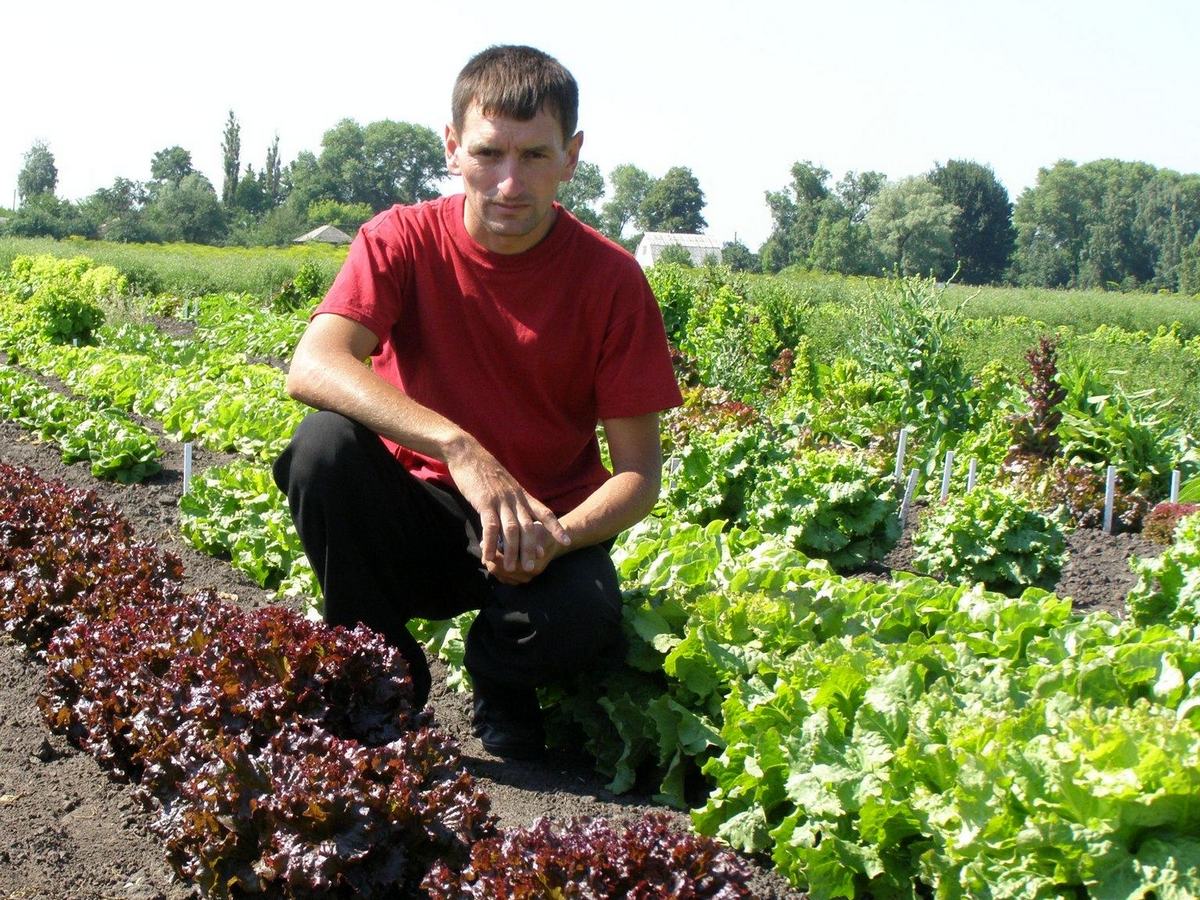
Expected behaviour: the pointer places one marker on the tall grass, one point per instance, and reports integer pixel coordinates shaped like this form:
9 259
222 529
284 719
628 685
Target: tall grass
188 270
1082 311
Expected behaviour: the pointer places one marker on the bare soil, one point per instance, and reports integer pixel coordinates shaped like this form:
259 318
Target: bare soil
71 832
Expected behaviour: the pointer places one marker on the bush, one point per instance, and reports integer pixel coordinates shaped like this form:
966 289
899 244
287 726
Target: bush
990 535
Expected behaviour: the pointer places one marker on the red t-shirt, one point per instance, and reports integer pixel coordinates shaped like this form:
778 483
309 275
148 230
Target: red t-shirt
527 352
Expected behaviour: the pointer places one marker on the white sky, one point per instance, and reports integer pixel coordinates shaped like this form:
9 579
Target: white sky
736 91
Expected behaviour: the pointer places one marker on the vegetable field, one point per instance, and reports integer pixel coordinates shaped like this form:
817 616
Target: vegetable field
859 705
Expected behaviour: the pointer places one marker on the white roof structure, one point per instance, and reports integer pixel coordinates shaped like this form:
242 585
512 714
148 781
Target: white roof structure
698 246
326 234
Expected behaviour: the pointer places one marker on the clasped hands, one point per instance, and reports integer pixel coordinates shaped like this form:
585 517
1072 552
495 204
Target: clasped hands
521 535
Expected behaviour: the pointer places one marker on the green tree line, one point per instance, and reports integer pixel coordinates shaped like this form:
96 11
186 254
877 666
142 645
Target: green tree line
359 171
1103 224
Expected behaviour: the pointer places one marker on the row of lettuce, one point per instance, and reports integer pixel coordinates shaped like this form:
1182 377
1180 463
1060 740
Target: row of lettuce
872 737
282 757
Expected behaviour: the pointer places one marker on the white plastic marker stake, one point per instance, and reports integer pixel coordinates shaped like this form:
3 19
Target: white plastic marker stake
901 446
971 467
187 466
1174 485
946 475
1110 492
674 464
908 493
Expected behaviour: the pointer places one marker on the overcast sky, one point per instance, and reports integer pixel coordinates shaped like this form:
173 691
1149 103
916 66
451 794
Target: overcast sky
738 92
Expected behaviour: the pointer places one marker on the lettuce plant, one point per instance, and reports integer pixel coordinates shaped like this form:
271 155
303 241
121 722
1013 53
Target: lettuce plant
990 535
828 504
1168 588
593 858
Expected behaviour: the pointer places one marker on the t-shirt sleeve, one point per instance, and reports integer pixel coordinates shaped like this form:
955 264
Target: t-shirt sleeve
635 375
368 288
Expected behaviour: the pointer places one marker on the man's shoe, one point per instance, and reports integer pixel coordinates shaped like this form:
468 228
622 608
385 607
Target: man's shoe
509 743
508 721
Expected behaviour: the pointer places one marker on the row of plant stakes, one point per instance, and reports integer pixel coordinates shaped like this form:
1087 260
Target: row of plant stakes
964 737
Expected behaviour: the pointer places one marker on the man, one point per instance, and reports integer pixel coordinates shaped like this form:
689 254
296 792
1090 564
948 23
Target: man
461 469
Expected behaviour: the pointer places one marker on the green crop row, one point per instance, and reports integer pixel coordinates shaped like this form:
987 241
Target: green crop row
113 445
223 406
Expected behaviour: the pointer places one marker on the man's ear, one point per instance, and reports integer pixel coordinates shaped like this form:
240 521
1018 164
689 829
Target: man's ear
450 140
574 145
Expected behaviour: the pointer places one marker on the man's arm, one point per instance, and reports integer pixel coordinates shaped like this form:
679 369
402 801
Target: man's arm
327 372
635 447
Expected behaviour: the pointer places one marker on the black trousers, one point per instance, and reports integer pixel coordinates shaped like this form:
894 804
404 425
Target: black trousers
387 547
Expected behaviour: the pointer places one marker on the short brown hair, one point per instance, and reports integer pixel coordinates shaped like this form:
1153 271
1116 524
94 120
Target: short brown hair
517 82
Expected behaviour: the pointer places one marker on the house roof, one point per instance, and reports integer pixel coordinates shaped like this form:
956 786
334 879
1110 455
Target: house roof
667 239
326 234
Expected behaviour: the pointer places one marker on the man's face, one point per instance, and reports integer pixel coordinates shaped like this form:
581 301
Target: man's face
511 171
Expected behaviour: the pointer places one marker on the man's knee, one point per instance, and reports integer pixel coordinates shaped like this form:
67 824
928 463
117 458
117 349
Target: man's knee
323 444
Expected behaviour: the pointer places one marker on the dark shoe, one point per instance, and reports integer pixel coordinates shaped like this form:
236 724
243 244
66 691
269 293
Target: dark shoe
508 721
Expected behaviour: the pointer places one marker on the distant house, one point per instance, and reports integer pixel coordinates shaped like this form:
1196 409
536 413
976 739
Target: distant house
326 234
698 246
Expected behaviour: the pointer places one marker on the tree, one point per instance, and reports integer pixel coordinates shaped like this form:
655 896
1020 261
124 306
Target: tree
629 187
170 166
738 257
188 211
843 245
407 162
38 176
822 227
1189 268
1095 225
982 235
44 215
857 192
674 254
673 204
250 196
580 193
382 164
911 226
346 216
231 150
273 187
797 211
116 213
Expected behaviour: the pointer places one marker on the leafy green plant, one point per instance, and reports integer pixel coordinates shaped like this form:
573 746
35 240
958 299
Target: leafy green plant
828 504
676 289
906 333
713 474
990 535
1168 588
63 297
299 291
1034 430
1103 426
732 341
237 511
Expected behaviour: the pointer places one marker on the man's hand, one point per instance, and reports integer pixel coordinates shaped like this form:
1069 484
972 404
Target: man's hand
520 533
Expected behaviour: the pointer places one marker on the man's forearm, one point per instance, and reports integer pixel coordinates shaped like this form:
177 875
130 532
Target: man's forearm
344 385
622 501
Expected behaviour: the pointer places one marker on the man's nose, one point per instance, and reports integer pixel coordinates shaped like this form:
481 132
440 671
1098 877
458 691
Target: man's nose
510 184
